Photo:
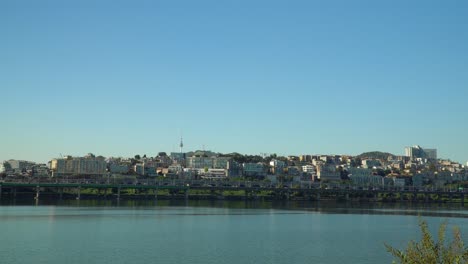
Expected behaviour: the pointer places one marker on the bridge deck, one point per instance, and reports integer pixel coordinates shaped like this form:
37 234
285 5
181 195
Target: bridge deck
220 188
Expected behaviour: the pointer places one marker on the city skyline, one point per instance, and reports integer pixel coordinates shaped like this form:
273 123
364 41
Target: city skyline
125 78
406 153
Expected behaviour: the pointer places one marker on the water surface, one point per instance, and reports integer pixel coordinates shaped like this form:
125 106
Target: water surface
211 232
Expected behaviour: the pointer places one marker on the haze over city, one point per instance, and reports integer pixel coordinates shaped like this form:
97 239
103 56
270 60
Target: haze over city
306 77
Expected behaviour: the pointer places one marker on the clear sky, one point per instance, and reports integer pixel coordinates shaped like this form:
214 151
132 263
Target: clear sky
119 78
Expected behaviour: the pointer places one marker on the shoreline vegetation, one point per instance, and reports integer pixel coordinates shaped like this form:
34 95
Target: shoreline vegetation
431 251
229 195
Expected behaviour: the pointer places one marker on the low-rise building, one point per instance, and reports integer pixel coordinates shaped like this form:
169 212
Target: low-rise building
305 158
277 166
456 177
420 179
214 174
399 165
178 157
139 169
308 168
399 182
175 169
345 160
118 168
293 171
40 170
221 162
328 173
234 169
364 177
162 160
371 163
326 158
293 158
20 166
317 162
189 174
146 168
272 178
196 162
254 169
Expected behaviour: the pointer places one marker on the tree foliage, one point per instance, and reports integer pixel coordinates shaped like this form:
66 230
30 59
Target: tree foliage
7 166
428 251
375 155
245 158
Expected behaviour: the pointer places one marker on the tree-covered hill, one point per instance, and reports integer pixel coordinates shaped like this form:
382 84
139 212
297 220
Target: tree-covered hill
375 155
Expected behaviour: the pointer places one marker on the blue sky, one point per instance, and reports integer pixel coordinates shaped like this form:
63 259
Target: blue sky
119 78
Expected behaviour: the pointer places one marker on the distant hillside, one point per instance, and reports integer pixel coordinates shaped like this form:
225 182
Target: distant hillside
376 155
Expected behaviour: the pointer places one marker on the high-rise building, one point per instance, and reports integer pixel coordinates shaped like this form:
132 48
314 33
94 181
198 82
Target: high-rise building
416 151
430 153
89 165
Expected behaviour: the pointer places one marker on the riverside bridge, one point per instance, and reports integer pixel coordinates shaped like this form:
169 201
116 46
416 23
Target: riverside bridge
251 191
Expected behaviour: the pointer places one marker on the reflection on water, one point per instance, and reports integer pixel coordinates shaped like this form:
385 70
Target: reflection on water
279 207
211 232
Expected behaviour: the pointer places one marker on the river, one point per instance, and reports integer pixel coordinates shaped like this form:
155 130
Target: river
212 232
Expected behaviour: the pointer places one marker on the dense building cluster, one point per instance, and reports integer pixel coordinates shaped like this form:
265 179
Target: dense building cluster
419 167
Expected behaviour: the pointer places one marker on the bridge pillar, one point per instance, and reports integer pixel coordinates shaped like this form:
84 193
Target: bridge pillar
462 198
317 196
186 193
14 192
38 191
155 193
415 196
78 196
450 197
401 197
118 193
426 197
61 193
277 195
221 195
347 196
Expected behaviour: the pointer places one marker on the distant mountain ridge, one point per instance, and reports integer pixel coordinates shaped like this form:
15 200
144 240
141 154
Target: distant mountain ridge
375 155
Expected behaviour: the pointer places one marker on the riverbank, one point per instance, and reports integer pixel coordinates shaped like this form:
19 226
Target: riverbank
217 195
